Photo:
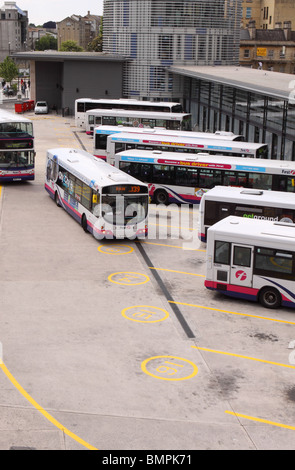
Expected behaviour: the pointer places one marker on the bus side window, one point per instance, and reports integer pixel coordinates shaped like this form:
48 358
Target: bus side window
101 141
242 256
86 196
222 252
146 173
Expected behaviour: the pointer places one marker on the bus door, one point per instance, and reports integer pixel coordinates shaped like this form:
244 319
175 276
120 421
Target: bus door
241 268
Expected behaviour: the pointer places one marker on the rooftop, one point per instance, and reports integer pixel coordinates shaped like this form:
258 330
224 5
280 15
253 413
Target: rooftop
58 56
261 81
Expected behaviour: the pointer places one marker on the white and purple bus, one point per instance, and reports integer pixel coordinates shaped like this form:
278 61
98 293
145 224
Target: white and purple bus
17 154
184 178
258 204
105 148
252 260
103 200
82 105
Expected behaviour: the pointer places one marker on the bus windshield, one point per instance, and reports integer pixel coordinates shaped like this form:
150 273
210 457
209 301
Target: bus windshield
16 127
16 159
121 210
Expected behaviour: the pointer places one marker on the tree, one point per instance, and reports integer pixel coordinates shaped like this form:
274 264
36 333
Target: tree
8 70
45 43
70 46
50 25
96 44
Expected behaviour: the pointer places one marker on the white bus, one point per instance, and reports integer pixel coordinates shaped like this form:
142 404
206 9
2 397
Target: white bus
184 178
252 260
122 117
123 141
257 204
85 104
17 154
105 201
101 134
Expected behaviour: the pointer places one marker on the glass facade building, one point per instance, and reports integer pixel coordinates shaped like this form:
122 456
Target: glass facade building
256 111
157 34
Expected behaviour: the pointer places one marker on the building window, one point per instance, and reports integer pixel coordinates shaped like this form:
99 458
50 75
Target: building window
246 53
248 12
165 47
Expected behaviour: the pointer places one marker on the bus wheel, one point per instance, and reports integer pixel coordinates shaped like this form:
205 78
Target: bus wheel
56 198
161 197
84 223
270 297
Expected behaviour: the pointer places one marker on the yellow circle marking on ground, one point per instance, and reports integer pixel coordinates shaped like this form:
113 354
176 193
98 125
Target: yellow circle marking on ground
115 250
168 367
144 314
128 278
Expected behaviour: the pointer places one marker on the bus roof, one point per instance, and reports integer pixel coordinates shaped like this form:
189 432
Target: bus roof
227 194
218 135
210 161
7 116
131 113
128 101
93 171
252 231
184 141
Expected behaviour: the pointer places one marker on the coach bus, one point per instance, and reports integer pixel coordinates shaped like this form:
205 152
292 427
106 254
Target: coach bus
85 104
107 202
101 134
252 260
146 119
120 142
17 154
258 204
184 178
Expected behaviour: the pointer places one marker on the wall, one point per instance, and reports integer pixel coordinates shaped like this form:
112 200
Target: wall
48 79
89 79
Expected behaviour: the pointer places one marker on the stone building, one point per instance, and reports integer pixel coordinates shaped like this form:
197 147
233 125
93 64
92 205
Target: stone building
269 49
81 29
13 29
267 13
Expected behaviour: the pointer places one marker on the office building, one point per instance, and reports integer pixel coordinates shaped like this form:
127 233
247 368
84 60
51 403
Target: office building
157 34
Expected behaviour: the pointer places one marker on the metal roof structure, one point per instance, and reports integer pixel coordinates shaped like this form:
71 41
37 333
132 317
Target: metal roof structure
273 84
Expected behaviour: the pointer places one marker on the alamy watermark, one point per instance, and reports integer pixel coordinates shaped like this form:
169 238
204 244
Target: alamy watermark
162 222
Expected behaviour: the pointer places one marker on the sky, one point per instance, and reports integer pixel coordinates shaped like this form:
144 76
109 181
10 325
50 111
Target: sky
41 11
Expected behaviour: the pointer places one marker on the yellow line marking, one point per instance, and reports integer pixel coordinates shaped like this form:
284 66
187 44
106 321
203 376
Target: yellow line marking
169 246
245 357
233 313
41 410
0 191
174 271
252 418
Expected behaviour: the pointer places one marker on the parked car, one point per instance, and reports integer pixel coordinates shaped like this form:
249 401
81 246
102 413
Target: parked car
41 107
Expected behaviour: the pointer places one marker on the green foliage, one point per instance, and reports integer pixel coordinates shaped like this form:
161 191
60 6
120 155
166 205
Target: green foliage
45 43
8 69
96 44
70 46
